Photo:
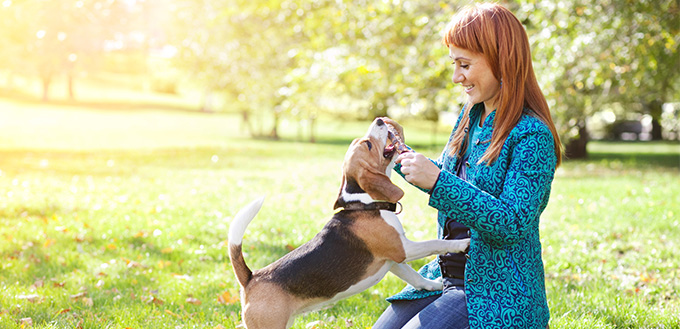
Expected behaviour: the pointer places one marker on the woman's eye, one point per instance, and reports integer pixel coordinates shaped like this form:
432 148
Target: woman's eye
464 66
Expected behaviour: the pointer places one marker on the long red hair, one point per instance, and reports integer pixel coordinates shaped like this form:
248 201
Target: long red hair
493 31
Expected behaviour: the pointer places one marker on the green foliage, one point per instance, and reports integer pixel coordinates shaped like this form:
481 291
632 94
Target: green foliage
372 58
590 55
299 59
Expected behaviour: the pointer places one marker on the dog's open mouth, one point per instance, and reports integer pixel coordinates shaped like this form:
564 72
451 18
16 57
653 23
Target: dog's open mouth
390 146
389 151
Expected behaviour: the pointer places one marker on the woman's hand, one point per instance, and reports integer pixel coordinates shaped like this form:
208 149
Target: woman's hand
418 169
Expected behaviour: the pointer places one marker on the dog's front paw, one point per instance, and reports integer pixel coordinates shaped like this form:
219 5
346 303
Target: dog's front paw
431 285
461 245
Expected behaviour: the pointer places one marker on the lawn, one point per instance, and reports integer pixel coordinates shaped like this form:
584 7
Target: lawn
118 218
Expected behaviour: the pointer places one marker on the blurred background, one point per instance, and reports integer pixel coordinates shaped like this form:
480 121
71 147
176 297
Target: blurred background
610 69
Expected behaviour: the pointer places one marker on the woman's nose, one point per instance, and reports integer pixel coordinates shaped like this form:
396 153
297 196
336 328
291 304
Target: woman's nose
458 77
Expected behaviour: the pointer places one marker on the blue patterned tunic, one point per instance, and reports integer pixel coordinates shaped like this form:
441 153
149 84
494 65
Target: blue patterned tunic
501 203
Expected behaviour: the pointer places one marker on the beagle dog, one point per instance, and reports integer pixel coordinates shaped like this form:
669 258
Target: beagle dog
355 249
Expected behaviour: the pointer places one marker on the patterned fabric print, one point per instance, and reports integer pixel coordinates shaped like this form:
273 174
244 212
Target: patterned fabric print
505 285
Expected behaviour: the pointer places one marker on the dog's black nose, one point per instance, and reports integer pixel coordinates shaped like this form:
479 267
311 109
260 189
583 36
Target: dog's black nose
379 122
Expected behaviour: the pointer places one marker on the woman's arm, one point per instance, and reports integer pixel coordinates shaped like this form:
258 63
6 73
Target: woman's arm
400 170
506 218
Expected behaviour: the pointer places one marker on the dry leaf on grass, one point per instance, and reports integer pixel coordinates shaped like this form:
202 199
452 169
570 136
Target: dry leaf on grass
152 300
26 322
193 301
172 313
227 298
34 298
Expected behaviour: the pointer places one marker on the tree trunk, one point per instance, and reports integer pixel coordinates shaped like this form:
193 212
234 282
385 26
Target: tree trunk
312 122
576 147
206 105
245 123
46 81
274 134
655 109
71 94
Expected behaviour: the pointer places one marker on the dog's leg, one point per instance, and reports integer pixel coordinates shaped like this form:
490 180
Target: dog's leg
417 250
408 274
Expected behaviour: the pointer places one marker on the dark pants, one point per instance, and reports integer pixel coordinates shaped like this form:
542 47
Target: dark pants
436 312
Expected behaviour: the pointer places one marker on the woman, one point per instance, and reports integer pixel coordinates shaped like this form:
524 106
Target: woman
491 183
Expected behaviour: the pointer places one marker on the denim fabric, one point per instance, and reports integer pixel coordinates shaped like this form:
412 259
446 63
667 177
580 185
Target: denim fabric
447 311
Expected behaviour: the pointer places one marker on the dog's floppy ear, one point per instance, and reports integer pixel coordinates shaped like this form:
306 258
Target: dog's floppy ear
379 186
339 202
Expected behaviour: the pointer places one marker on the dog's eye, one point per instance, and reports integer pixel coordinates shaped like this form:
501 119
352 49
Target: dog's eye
369 144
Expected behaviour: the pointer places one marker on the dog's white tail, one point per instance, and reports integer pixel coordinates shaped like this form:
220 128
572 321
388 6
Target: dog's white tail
236 230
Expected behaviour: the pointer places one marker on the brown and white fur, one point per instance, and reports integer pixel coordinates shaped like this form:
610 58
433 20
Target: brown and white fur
352 252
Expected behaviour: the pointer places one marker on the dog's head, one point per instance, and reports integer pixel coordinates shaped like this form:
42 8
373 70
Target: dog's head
367 167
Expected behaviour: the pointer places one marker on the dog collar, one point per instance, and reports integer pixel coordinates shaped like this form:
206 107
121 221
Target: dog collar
378 205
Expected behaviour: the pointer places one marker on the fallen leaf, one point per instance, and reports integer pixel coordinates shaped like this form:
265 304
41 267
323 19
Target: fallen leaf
34 298
164 263
87 301
181 277
38 284
26 322
171 313
62 311
131 263
141 234
49 242
58 284
193 301
79 295
314 325
152 300
227 298
166 250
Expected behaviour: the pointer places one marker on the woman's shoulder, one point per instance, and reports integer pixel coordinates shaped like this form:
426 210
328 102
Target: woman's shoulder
529 124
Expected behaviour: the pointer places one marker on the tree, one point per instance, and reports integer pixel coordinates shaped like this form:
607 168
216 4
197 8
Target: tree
588 55
298 58
47 38
653 39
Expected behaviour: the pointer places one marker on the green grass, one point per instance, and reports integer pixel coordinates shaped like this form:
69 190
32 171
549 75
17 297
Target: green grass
116 218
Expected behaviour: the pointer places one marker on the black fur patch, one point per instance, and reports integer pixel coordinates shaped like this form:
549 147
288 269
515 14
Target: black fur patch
334 260
353 187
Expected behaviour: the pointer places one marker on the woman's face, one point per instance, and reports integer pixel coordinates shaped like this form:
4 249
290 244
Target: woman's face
474 73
